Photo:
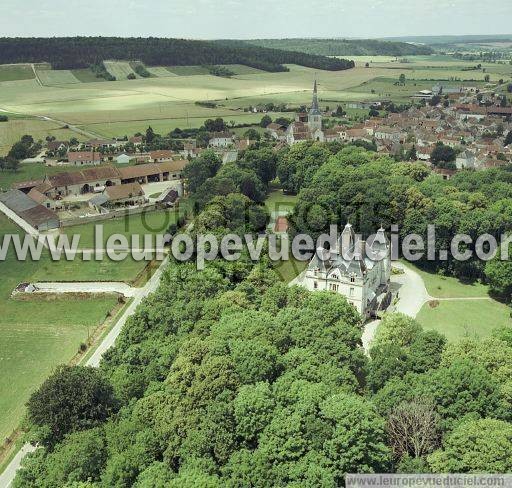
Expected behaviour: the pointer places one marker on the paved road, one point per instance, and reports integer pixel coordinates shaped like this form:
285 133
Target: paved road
7 477
412 296
86 287
141 293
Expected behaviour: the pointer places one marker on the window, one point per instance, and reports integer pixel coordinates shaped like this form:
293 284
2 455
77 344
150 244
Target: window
352 279
351 292
315 285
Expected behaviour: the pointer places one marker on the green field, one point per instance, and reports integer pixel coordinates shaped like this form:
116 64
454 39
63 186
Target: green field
463 309
127 270
288 270
120 69
86 76
160 71
155 222
12 130
167 99
37 334
50 77
188 70
462 318
14 72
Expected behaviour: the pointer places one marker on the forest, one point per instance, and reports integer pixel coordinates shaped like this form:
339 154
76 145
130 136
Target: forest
345 47
368 190
82 52
228 377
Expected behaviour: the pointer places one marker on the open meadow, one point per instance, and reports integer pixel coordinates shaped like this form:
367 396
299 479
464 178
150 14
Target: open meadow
37 333
167 99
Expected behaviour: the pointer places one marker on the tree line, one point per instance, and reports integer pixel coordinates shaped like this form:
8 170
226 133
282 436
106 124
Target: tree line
345 47
82 52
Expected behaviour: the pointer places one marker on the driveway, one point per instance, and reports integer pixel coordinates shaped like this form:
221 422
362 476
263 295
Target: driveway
411 293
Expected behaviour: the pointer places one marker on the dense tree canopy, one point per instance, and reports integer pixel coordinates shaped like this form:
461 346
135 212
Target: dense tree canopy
81 52
226 376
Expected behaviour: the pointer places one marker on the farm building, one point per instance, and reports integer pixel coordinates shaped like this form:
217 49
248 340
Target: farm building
79 158
162 155
35 214
97 179
123 159
79 182
129 194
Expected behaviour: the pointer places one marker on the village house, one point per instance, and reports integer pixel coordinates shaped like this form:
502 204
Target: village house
84 158
99 144
33 213
221 139
276 131
56 146
466 159
136 140
161 155
41 198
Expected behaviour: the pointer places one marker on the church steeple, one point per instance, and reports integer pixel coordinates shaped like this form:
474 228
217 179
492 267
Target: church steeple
315 110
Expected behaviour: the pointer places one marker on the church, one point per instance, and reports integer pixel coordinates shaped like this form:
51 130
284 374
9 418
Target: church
350 271
307 126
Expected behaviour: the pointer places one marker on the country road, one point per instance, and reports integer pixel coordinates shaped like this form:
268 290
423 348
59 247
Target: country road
7 477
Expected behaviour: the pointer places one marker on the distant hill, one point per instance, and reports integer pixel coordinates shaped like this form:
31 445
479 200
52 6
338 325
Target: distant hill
344 47
470 39
81 52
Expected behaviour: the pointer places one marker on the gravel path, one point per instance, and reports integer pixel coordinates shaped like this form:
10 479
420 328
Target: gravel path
86 287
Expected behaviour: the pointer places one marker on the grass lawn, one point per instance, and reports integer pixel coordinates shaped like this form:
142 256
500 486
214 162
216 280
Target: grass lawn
440 286
37 334
127 270
155 222
13 72
287 270
461 318
277 201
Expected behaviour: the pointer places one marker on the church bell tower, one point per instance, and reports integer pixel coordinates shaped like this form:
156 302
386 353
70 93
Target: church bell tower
315 116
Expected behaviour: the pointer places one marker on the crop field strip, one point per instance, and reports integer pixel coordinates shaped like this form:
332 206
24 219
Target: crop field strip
14 72
120 69
51 77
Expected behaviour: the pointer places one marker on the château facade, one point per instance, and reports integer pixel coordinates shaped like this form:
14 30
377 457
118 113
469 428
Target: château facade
348 270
